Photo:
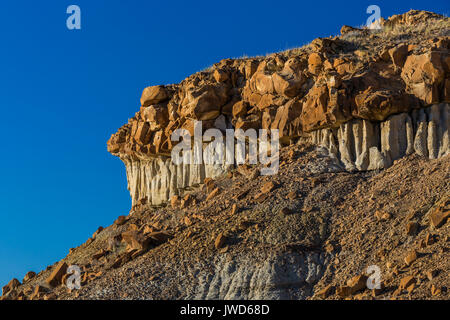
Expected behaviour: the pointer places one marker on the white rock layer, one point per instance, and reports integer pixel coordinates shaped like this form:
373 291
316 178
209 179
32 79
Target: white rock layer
156 180
366 145
357 145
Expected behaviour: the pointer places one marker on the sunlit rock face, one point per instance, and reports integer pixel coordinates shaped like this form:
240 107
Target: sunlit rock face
367 145
369 98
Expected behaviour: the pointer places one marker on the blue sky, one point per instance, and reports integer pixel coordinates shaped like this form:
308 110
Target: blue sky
63 93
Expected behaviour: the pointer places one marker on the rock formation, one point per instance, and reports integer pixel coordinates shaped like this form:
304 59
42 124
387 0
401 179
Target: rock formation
367 96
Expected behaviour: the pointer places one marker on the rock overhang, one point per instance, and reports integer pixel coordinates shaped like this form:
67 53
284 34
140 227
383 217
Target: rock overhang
327 85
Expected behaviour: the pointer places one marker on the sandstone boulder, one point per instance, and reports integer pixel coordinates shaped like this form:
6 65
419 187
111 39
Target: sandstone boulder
287 120
220 241
136 240
315 62
157 116
262 83
221 75
250 68
204 103
398 55
315 113
287 85
249 122
153 95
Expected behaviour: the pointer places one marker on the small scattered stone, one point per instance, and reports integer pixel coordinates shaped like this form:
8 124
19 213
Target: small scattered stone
431 274
411 228
213 193
267 187
187 221
220 241
381 215
224 249
261 197
429 239
435 291
411 288
411 257
241 195
50 296
406 282
438 217
329 248
292 195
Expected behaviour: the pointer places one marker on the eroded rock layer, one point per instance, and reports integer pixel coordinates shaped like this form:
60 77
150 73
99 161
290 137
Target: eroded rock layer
361 94
155 180
366 145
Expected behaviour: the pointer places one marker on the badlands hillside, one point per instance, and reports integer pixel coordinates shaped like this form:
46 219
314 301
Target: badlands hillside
363 183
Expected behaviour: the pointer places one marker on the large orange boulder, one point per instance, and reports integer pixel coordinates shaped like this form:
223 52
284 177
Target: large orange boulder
424 74
204 103
314 111
398 55
156 115
262 83
287 85
153 95
287 120
315 62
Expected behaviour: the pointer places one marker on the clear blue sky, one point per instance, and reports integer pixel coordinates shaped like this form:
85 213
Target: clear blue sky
63 93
